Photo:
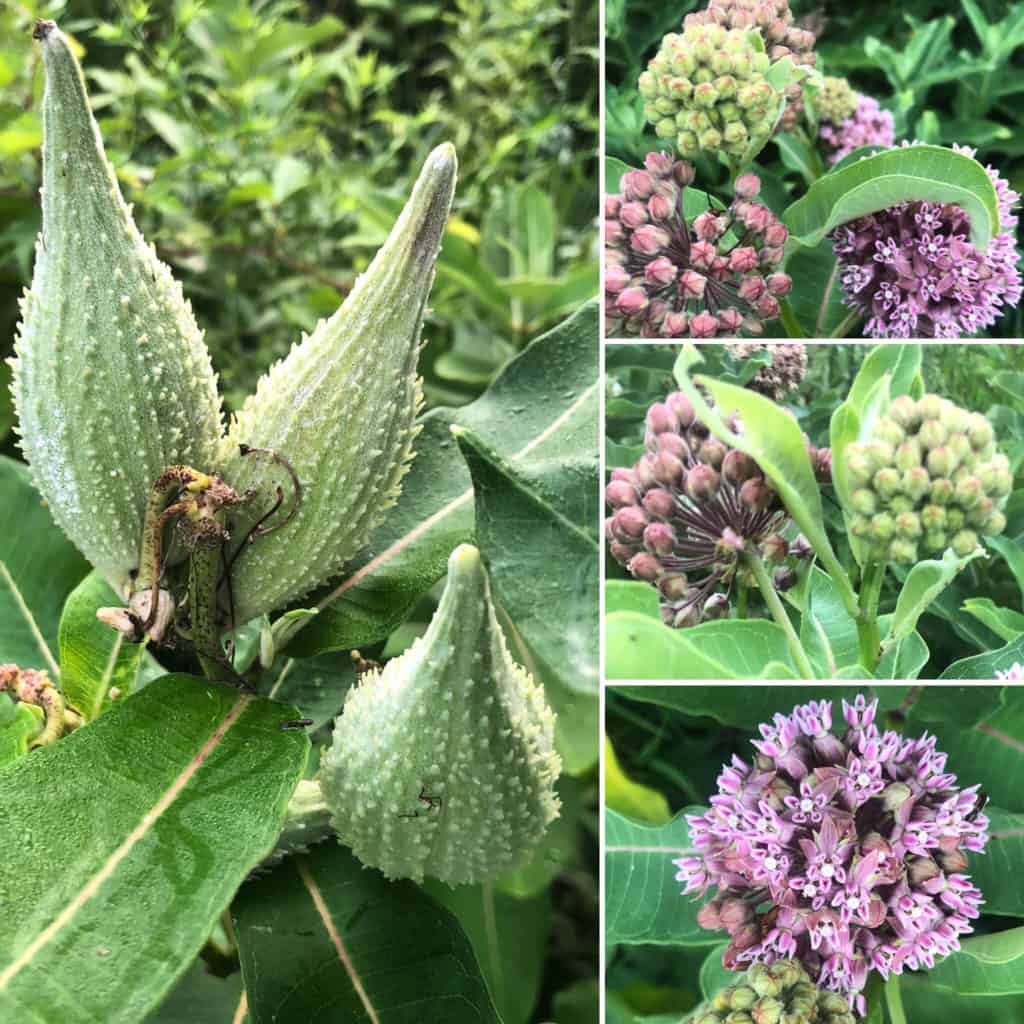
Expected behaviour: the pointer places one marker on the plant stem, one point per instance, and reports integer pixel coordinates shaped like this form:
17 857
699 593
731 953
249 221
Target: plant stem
894 1000
742 592
867 619
775 606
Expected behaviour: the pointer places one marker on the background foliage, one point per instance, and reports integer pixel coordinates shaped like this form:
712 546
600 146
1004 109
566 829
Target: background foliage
268 144
980 610
670 743
949 70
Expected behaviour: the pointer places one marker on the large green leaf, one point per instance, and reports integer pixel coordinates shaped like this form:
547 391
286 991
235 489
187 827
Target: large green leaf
39 567
542 407
323 939
997 872
640 647
772 437
139 828
990 752
95 660
536 531
508 935
19 725
828 632
985 666
201 996
817 300
643 903
747 707
987 965
878 182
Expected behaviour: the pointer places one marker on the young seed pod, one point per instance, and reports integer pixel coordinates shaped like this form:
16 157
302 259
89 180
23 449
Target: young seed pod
341 408
111 381
443 763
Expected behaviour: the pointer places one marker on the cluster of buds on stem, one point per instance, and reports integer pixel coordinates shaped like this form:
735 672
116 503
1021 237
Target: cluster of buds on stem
928 477
683 516
669 277
782 38
847 854
780 993
783 375
836 100
706 89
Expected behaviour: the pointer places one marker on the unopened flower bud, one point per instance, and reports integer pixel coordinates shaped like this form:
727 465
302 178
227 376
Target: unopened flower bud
964 543
702 482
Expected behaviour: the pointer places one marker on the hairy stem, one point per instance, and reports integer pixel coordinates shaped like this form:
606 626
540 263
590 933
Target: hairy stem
775 606
867 618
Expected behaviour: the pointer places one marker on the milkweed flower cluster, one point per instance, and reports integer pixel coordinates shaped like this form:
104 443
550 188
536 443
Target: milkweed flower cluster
912 271
669 277
1014 674
867 125
686 511
928 475
848 854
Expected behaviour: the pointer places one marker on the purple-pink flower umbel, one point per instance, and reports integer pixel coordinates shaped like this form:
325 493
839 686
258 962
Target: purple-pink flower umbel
666 277
686 511
869 125
857 845
913 272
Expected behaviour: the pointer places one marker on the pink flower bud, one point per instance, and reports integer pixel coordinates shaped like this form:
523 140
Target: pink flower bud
776 234
758 217
622 553
691 285
629 523
683 173
756 495
649 240
645 566
702 255
706 227
659 503
743 259
659 164
668 469
682 407
637 185
747 186
701 483
614 232
612 205
615 279
660 271
768 307
620 494
779 283
633 215
675 325
659 539
772 255
632 301
660 419
645 471
660 207
738 467
730 320
704 325
673 587
751 288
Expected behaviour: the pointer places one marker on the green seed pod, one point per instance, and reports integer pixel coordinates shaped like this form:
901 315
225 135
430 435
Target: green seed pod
964 542
443 763
112 382
341 408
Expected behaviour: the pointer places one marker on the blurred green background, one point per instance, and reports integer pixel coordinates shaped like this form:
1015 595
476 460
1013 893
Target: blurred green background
268 145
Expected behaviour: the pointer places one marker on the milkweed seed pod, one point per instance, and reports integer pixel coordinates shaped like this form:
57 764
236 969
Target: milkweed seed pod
706 89
836 100
111 380
443 764
685 512
782 38
781 993
341 409
928 478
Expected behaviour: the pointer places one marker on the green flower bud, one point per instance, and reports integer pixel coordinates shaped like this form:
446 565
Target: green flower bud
995 525
979 431
961 449
905 412
890 431
979 515
901 503
864 501
902 551
932 434
767 1011
908 525
942 491
908 455
742 998
860 527
443 764
836 100
929 407
880 452
968 492
882 526
933 517
112 382
341 408
964 543
887 481
941 462
935 540
955 518
916 483
859 467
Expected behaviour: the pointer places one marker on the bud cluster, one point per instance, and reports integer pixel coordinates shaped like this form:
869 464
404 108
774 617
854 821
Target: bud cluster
781 39
847 854
706 89
836 100
690 506
779 993
867 124
666 277
929 477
